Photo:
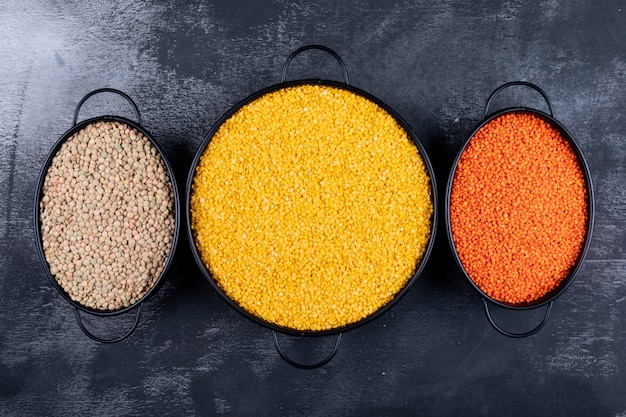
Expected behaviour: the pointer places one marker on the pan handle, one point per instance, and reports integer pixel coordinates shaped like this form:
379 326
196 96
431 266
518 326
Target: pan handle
321 48
101 340
518 335
299 365
107 90
524 83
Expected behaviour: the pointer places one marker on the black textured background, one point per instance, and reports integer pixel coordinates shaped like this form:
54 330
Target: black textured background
186 63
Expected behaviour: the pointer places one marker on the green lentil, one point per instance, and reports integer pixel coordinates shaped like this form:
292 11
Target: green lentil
83 224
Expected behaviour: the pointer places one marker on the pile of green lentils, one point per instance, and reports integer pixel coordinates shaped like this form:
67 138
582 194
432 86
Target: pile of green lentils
107 215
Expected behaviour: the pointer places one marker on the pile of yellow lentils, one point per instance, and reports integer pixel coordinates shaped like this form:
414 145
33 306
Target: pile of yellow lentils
311 207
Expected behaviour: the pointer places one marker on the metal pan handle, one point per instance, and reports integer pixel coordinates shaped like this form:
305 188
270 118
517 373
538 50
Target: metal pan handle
518 335
509 84
107 90
344 70
299 365
101 340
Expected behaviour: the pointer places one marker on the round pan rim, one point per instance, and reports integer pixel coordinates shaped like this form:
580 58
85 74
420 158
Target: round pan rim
37 221
414 139
555 293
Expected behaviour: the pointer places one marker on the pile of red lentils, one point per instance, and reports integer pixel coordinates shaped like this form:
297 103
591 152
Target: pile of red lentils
518 208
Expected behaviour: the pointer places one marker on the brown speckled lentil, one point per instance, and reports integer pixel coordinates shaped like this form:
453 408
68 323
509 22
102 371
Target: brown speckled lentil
107 216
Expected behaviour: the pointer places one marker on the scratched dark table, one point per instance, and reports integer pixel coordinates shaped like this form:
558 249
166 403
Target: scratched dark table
433 353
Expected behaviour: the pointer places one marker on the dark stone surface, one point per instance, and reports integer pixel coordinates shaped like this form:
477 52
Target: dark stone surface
186 63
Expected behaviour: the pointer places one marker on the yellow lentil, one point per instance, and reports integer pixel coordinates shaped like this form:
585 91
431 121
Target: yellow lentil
311 207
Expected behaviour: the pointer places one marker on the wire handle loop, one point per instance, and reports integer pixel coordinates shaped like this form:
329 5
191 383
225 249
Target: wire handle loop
101 340
344 70
106 90
518 335
299 365
524 83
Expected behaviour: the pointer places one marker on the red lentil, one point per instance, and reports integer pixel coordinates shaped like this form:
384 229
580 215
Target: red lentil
518 208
